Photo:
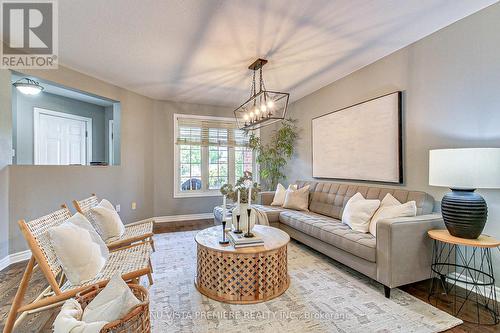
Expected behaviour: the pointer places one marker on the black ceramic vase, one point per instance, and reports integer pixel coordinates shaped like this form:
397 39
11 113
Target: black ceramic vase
464 213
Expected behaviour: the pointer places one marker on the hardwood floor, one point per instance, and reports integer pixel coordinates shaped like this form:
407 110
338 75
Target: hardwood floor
421 291
42 322
183 226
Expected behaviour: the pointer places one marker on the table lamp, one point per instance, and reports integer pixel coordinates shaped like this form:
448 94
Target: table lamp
463 171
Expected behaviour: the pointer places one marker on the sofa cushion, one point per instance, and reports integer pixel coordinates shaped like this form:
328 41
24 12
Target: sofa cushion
333 232
330 198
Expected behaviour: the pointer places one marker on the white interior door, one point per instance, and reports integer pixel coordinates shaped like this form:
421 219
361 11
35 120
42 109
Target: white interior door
61 139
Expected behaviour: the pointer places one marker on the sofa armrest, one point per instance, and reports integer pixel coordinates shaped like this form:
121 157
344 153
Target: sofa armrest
266 197
404 250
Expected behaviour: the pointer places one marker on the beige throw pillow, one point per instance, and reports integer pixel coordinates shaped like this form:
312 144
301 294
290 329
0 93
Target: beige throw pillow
297 199
112 303
108 220
279 195
358 212
391 208
79 248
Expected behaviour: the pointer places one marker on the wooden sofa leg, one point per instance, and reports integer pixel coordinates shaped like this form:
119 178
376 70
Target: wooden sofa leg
387 292
152 244
18 299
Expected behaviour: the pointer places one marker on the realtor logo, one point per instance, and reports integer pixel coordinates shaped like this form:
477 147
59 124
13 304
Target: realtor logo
29 34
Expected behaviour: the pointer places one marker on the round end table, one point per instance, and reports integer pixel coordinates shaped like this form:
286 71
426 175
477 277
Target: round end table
245 275
464 269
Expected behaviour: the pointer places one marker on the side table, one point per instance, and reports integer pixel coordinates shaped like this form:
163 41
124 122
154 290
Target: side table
464 269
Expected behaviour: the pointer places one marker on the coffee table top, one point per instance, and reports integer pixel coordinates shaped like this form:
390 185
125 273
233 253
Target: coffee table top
274 238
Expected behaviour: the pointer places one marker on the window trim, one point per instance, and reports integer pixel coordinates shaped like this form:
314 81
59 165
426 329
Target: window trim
202 193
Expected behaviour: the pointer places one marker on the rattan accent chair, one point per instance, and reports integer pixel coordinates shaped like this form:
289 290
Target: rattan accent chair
132 262
134 232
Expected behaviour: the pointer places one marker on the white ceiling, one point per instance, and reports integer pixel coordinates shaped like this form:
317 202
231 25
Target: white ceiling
199 50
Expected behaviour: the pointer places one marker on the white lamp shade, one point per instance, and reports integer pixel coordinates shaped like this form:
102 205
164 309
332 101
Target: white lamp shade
465 168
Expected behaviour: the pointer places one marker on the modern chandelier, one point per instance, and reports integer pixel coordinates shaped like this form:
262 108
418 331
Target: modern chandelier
264 107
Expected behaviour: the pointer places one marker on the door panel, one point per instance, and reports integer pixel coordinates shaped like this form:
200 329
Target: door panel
61 140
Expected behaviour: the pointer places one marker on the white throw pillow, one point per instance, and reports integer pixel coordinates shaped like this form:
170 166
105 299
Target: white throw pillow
79 248
297 199
279 195
108 220
112 303
106 204
391 208
358 211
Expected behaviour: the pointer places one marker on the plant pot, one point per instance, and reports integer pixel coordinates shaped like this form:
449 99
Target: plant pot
464 213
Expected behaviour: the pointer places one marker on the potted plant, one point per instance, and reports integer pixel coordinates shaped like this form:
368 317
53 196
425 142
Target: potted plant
242 186
273 157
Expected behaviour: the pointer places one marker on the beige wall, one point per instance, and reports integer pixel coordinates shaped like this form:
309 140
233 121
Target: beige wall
164 201
451 84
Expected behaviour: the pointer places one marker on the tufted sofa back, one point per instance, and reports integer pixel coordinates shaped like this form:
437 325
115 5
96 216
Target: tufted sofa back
330 198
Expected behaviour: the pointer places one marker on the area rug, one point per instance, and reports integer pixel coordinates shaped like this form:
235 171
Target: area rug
324 296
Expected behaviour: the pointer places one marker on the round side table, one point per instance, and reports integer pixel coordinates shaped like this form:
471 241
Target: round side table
464 270
245 275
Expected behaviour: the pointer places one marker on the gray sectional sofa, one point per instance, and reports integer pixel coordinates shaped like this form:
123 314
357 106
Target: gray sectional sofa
401 252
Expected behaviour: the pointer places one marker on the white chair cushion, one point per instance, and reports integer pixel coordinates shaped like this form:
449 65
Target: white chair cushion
108 220
391 208
279 195
112 303
79 248
358 212
297 199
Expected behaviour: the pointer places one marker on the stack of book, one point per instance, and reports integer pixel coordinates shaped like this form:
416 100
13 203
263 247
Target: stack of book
239 240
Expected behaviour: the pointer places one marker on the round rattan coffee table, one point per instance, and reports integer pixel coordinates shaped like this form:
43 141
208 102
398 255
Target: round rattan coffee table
246 275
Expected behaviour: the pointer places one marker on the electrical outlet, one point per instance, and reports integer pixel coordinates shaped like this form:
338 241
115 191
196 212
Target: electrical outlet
118 208
134 205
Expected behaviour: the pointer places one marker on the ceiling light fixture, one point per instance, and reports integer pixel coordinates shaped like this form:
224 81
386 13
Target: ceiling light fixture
264 107
28 87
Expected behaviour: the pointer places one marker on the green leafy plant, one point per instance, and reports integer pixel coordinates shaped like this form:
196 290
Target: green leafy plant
273 156
242 184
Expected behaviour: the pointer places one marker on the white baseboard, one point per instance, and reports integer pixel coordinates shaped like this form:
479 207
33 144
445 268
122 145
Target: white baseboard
177 218
469 287
14 258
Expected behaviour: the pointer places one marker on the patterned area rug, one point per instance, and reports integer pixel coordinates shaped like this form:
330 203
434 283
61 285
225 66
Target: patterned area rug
324 296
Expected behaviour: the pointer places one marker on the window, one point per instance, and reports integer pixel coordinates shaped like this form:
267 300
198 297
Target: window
209 152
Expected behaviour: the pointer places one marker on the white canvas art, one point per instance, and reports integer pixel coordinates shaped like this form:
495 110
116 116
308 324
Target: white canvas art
360 142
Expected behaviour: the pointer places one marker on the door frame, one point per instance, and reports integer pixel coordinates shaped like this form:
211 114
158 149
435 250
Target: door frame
111 142
36 124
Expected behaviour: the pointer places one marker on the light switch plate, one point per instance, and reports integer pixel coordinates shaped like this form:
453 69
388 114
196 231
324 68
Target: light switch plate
118 208
134 205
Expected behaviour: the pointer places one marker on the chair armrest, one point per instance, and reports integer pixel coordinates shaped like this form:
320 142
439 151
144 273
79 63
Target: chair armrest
140 222
404 250
266 197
